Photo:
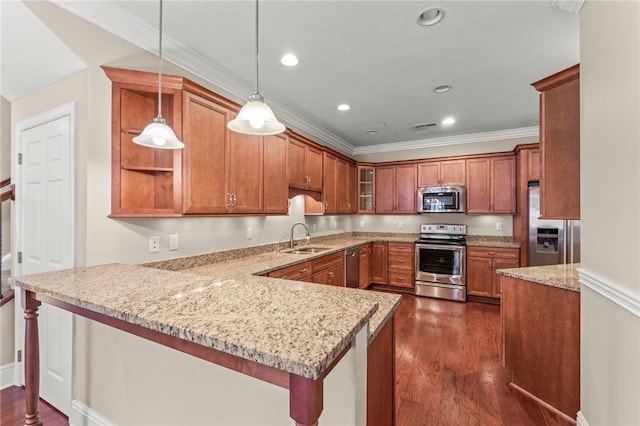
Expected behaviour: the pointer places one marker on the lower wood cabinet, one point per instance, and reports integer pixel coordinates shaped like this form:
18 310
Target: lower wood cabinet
295 272
364 262
482 263
379 263
329 269
400 263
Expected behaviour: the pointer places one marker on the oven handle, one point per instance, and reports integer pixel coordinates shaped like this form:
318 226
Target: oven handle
440 246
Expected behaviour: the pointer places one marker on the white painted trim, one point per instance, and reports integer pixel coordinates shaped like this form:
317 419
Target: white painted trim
449 140
581 420
7 375
81 415
617 295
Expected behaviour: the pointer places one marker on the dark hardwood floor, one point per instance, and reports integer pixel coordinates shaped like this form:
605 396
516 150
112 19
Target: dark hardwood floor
12 409
448 371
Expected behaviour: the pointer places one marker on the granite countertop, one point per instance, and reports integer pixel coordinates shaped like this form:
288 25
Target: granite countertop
560 276
216 300
491 241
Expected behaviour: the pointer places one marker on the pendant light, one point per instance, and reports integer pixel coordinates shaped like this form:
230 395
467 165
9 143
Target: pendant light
158 134
255 117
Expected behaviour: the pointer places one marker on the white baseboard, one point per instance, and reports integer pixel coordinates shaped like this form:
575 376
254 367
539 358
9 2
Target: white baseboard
617 295
580 420
6 375
81 415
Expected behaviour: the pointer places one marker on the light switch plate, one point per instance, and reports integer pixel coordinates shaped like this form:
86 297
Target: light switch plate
173 241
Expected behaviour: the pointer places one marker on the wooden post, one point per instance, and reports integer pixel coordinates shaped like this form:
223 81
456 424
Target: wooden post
31 359
305 400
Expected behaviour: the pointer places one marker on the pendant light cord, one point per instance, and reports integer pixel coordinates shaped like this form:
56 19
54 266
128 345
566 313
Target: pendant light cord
160 67
257 53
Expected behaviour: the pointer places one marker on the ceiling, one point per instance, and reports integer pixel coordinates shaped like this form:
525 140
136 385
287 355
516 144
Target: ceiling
371 55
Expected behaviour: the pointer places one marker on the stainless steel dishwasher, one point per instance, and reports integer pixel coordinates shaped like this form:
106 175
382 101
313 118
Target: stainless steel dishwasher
352 267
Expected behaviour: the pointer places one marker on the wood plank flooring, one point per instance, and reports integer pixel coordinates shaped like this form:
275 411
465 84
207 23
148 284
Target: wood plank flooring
448 371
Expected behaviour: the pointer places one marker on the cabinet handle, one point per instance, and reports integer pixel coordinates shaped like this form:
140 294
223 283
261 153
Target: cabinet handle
303 270
230 203
331 275
326 205
491 252
400 279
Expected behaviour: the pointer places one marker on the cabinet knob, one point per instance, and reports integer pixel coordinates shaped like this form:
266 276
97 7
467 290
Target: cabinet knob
331 275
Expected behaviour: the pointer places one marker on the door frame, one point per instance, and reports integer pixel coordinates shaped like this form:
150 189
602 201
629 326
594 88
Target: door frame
66 110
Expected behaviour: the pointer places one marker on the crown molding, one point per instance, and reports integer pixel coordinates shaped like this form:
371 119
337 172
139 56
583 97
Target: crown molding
449 140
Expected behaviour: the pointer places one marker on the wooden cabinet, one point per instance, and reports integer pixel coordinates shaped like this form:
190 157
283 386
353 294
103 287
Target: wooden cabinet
442 173
364 262
304 165
295 272
482 263
329 270
329 191
560 144
337 179
275 185
144 182
379 263
395 189
400 263
366 189
352 175
491 185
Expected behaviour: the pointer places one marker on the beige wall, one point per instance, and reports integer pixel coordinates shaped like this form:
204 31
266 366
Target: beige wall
5 169
7 325
610 204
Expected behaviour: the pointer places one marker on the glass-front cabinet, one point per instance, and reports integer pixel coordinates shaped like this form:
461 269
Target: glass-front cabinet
366 189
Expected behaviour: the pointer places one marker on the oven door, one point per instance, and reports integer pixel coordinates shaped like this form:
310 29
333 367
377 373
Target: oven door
441 263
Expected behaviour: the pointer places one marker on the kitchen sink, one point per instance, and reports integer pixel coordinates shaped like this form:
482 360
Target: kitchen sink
305 250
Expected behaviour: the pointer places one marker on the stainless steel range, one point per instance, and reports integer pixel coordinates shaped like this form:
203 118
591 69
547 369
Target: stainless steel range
441 262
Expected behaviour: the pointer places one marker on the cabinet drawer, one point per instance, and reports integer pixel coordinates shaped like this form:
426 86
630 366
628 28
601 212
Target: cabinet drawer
502 253
328 261
402 261
294 272
401 247
401 278
329 276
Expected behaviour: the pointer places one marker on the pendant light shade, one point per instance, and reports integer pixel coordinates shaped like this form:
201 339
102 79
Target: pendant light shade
255 117
158 134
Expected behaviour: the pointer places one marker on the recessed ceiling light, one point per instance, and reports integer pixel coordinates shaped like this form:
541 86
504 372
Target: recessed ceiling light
447 121
442 88
430 16
343 107
372 132
289 60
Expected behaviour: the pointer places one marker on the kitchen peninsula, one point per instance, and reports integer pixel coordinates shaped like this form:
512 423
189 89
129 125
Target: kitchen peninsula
540 314
312 340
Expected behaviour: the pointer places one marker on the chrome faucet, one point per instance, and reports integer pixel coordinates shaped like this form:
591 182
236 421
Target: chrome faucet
291 243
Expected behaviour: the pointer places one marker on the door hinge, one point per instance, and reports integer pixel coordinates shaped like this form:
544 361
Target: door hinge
20 355
19 158
19 257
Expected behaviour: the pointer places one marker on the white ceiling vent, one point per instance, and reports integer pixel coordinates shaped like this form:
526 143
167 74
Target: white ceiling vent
423 126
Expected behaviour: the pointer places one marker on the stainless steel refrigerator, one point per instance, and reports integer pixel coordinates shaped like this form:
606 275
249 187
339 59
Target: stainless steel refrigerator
551 242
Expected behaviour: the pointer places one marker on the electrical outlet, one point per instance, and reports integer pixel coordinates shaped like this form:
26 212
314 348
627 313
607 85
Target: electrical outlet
154 244
362 224
173 241
498 226
249 233
400 225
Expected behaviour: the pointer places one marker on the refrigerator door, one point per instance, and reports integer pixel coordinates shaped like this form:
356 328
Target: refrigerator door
573 241
546 237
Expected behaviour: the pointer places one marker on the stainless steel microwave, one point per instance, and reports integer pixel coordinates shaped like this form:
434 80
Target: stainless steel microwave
442 199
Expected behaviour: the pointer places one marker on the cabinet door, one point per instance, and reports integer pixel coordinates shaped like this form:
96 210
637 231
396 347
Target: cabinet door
429 174
502 264
366 189
296 160
478 186
401 278
533 165
330 276
379 263
453 172
503 185
329 195
342 186
364 266
406 189
245 173
385 189
275 185
480 276
352 199
314 168
205 155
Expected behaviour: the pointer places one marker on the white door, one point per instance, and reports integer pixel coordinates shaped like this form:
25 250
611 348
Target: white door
45 203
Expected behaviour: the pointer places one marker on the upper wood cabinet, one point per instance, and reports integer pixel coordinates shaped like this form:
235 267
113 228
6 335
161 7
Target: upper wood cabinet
396 189
276 191
442 173
338 180
329 176
352 198
366 189
304 165
491 185
560 144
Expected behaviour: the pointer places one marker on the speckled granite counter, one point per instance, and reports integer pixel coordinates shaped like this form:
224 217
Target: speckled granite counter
560 276
296 327
491 241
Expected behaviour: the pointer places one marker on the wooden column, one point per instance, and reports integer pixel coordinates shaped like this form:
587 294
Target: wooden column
31 359
305 400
